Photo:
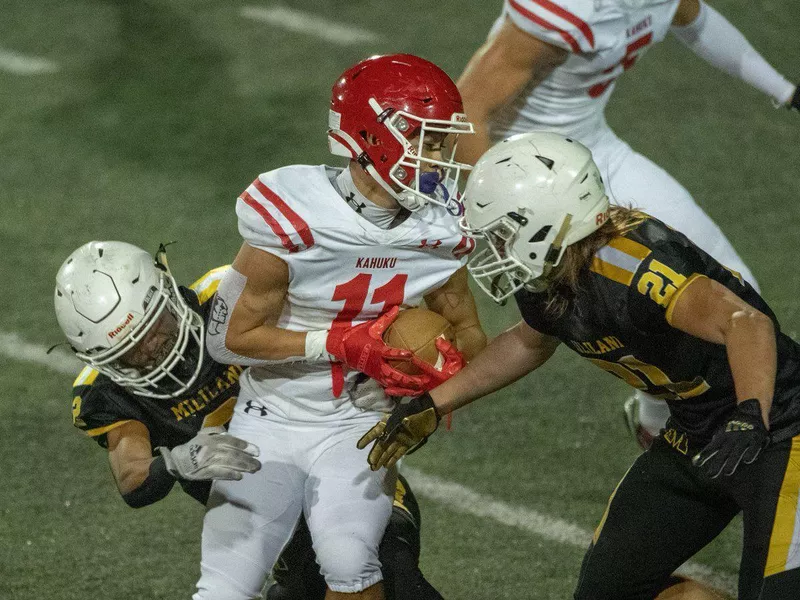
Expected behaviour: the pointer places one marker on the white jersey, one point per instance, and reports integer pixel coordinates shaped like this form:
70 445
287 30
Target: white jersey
605 38
342 270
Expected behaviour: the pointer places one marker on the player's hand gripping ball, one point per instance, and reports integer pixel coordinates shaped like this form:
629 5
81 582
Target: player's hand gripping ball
429 337
434 358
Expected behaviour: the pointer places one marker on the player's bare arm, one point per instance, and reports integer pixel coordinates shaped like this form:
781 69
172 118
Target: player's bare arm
455 302
508 357
252 331
708 310
687 12
495 75
129 455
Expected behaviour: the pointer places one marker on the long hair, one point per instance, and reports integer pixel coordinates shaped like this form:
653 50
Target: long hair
565 280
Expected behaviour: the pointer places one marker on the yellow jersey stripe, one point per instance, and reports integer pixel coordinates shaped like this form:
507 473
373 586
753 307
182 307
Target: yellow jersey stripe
613 272
101 430
86 377
784 543
202 297
672 301
207 278
599 529
221 415
629 247
207 285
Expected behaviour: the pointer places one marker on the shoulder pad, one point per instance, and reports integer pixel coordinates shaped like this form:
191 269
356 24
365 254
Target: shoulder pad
562 23
273 211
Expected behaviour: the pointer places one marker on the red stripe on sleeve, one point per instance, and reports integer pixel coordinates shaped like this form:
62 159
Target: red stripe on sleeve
270 220
568 16
300 226
545 24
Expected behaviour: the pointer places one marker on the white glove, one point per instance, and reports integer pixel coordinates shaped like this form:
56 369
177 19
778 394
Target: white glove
367 394
211 454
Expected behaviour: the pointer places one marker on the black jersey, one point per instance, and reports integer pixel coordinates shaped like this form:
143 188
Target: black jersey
99 405
620 320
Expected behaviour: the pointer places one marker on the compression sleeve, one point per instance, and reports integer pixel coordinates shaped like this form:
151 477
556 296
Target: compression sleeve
156 485
228 293
714 39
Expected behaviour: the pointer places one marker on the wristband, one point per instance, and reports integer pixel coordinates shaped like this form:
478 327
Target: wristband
157 485
316 346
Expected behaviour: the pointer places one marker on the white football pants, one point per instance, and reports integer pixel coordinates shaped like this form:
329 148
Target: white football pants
634 180
316 469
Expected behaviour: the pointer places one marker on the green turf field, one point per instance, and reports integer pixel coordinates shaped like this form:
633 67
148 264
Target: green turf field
161 112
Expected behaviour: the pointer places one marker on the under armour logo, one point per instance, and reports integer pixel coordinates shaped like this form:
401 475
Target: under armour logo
354 204
255 406
433 245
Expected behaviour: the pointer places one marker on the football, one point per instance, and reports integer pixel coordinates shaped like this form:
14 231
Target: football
416 329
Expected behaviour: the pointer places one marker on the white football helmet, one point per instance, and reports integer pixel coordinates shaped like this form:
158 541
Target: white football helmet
108 296
530 197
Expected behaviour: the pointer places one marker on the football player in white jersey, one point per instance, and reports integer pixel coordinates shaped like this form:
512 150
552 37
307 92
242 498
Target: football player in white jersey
328 257
552 65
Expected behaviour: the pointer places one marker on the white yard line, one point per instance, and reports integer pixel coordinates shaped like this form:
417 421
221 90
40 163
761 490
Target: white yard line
59 360
20 64
310 24
462 499
453 495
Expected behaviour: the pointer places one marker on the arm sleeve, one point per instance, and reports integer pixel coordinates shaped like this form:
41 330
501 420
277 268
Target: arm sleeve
712 37
156 485
557 23
228 292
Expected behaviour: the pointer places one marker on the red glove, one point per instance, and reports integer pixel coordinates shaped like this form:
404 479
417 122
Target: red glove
453 363
362 348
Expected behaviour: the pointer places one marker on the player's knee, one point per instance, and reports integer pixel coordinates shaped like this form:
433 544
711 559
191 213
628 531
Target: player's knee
348 563
216 587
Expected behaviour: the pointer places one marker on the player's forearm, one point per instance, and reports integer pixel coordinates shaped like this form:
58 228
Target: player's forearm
506 359
470 340
714 39
242 328
145 482
267 343
752 355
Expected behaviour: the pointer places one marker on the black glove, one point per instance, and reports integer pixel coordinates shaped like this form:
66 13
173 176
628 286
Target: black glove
740 440
794 103
401 432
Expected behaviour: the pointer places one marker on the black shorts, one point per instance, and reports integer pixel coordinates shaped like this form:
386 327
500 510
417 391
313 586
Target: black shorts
664 511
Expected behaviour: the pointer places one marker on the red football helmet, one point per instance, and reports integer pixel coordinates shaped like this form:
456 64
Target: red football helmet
382 103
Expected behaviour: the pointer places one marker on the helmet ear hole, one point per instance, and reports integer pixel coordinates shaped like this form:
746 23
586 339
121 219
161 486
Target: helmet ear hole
540 235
